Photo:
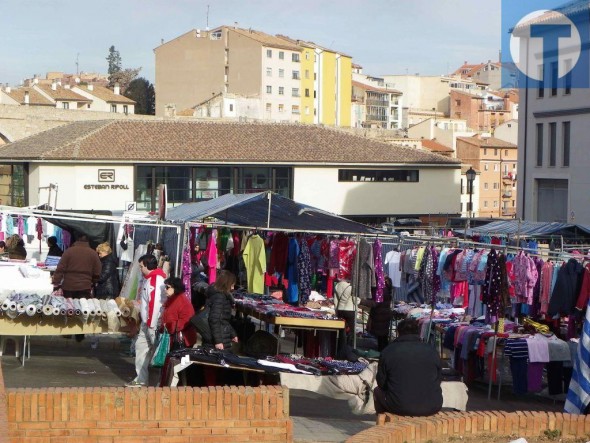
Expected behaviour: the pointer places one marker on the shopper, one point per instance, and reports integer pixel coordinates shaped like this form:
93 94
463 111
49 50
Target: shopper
107 285
178 311
220 302
3 251
380 316
152 297
408 375
78 269
54 249
345 307
16 248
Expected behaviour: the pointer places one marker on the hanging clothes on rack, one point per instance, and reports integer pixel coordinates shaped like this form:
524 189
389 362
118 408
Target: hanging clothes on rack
255 260
292 276
379 277
304 271
366 269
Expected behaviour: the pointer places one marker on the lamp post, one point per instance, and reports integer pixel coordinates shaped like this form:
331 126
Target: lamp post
470 174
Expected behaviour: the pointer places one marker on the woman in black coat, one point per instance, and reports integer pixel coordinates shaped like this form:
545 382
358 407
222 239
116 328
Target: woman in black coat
108 284
220 301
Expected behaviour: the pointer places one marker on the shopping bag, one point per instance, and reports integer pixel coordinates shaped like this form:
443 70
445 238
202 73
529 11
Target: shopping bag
161 351
201 322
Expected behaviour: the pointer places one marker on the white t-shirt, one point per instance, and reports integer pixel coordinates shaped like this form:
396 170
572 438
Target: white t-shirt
392 259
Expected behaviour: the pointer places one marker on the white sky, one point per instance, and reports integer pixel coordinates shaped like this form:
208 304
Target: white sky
384 36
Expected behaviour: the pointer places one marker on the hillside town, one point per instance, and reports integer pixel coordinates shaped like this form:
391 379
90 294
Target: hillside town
268 241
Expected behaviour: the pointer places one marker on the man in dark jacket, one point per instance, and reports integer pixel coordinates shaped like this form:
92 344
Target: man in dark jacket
408 375
78 269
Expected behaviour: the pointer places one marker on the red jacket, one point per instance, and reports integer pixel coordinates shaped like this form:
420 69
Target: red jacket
178 310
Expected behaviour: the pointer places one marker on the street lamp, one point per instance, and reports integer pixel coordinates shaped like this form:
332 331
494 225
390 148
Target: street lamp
470 174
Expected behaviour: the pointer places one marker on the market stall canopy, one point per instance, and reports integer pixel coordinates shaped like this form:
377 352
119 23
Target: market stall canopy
251 210
523 228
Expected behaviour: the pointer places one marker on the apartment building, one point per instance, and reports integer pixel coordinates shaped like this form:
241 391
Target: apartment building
375 107
496 160
553 136
105 99
483 111
294 80
428 96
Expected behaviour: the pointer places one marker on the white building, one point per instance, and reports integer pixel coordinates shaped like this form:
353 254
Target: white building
105 164
554 130
106 100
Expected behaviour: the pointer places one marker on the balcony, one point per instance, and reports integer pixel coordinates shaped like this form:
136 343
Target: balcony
508 212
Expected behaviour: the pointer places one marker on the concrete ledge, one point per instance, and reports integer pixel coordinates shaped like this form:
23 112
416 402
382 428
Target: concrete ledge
395 428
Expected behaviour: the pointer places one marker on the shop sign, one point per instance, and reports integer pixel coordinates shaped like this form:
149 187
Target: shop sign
106 179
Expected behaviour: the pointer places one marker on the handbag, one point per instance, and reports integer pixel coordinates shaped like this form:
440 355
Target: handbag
177 341
201 323
159 357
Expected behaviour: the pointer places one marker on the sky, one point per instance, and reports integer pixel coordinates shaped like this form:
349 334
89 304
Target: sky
429 37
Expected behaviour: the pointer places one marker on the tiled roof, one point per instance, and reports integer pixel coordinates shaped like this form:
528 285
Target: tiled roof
568 9
491 142
107 95
435 146
375 88
62 94
116 140
266 39
35 98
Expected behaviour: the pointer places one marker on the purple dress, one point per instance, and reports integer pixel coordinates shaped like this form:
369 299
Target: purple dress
377 247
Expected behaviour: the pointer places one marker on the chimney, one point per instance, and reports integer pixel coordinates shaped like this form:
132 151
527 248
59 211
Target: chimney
117 89
59 83
27 101
90 87
77 80
35 79
235 25
7 89
54 85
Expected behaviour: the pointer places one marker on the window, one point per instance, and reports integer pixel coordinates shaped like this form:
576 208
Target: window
295 57
307 56
552 144
541 90
485 186
295 109
505 151
307 92
269 53
281 55
12 184
496 167
539 144
553 79
486 167
231 107
113 108
566 143
307 110
281 73
495 152
378 175
66 105
295 75
268 107
568 78
307 73
269 89
281 108
269 72
295 92
281 90
496 185
485 204
495 203
125 109
485 151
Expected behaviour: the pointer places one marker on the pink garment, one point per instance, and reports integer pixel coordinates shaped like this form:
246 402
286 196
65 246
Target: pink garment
211 254
525 278
334 255
538 349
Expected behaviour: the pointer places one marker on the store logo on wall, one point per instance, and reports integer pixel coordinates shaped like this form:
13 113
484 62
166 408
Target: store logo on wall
106 175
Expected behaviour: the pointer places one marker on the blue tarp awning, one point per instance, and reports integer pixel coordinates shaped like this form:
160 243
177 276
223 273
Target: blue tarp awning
523 228
251 210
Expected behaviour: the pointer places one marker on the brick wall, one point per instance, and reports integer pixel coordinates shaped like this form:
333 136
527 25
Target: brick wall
149 415
393 428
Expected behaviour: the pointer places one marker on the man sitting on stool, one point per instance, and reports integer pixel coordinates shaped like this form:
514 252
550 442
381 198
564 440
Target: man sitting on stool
408 375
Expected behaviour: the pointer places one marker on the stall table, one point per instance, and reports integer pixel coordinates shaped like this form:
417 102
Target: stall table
313 324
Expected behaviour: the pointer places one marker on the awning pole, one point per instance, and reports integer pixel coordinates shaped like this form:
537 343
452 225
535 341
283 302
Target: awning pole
355 287
269 196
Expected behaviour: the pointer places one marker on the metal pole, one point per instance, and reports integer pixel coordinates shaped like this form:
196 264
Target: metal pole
355 288
269 196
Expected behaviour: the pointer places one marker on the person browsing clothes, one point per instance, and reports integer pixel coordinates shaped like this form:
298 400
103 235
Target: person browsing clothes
152 297
78 269
107 285
178 311
408 375
220 301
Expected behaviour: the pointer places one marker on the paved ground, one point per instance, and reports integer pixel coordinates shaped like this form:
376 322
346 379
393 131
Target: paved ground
58 361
